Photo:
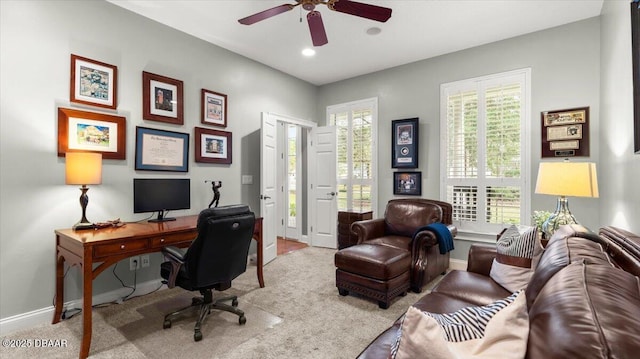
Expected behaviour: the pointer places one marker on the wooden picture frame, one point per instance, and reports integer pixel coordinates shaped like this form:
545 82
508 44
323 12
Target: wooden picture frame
213 146
213 108
85 131
161 150
405 137
565 133
407 183
93 82
635 55
162 99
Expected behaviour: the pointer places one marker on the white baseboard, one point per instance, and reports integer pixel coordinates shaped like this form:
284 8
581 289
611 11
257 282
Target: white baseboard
42 316
457 264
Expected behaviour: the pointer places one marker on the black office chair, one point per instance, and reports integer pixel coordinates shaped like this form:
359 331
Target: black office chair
216 257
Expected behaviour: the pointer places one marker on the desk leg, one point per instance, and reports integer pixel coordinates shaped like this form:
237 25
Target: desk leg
257 235
57 313
260 263
87 299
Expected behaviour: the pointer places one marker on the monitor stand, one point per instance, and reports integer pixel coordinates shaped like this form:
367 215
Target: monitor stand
161 217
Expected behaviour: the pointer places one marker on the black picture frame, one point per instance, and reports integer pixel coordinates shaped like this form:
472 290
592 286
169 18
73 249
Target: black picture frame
635 49
405 140
407 183
161 150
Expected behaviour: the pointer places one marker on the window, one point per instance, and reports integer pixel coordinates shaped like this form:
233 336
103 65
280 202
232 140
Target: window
485 152
356 124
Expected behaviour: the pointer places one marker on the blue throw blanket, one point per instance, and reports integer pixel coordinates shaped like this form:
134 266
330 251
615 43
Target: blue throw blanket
442 233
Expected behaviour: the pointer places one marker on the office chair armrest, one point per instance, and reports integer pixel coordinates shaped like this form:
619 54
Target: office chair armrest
174 254
176 257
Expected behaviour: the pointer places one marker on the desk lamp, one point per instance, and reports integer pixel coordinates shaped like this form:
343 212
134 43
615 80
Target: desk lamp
578 179
83 168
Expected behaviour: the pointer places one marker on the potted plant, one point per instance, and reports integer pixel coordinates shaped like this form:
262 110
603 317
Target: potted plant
539 217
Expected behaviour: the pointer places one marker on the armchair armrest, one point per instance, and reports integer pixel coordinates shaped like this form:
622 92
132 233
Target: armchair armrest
175 256
481 258
422 242
368 229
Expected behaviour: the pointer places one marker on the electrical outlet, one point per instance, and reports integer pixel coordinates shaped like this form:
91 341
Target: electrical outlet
144 260
134 263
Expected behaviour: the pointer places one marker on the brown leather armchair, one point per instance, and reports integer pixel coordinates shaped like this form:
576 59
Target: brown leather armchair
401 220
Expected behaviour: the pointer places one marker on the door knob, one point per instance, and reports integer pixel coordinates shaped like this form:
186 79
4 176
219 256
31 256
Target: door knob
264 197
332 194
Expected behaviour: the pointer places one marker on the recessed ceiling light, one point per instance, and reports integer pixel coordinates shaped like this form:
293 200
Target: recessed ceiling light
308 52
374 30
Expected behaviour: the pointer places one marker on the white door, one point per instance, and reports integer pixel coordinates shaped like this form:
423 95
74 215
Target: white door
323 187
268 183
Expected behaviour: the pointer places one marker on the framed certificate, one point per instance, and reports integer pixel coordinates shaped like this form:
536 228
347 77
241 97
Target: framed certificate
160 150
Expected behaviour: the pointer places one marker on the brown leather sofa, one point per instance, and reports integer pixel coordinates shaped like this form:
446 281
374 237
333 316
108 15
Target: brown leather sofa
583 299
402 218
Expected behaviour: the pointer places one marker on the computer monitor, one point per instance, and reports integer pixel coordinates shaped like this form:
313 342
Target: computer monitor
161 195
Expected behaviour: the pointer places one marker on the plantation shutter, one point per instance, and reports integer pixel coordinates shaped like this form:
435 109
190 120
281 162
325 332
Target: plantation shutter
484 149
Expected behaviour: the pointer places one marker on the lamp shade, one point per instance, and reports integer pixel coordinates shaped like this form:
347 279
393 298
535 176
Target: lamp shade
576 179
83 168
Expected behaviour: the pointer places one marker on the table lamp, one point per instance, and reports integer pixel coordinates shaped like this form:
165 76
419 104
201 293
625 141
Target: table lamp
578 179
83 168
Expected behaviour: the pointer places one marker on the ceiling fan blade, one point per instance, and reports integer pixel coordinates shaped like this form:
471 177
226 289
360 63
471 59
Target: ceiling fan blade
373 12
318 35
252 19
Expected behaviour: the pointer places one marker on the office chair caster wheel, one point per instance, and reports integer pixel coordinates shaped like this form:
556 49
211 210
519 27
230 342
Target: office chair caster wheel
234 303
166 324
197 336
242 320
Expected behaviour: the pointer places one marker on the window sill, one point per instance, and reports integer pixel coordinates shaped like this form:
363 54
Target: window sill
476 237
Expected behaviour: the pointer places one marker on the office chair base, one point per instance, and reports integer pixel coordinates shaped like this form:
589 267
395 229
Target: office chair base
205 305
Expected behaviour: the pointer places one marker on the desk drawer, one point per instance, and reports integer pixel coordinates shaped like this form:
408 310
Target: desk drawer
173 239
109 249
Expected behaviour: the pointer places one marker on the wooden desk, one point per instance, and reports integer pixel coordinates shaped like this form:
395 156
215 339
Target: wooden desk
110 245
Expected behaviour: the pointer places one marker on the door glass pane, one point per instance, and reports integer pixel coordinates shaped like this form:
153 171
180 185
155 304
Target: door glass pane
292 140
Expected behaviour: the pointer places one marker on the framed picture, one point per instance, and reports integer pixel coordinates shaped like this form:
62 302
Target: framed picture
84 131
565 133
162 99
93 82
160 150
404 143
635 55
213 146
407 183
214 108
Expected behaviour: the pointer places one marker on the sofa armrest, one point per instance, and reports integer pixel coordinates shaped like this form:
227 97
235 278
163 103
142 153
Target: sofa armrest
368 229
481 258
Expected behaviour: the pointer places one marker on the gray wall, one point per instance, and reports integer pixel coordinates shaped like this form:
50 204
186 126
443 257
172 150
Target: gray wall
37 38
565 68
619 168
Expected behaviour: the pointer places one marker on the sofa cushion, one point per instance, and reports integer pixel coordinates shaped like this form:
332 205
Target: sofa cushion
567 245
497 330
515 252
586 311
470 287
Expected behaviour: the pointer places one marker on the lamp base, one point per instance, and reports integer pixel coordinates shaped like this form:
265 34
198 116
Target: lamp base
561 216
83 225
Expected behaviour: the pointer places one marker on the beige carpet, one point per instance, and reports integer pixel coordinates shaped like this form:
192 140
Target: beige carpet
299 314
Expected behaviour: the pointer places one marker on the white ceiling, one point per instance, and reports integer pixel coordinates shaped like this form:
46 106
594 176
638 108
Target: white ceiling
418 29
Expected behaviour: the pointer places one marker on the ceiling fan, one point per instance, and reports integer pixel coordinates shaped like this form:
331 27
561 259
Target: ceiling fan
318 34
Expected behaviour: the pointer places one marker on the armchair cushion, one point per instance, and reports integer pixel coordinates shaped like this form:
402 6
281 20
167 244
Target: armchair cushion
497 330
